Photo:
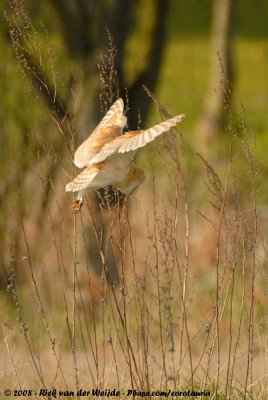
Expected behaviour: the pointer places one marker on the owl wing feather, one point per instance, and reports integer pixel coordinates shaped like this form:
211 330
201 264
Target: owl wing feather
134 140
82 180
114 116
108 129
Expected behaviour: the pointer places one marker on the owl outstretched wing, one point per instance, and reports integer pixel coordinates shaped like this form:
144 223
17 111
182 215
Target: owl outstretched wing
110 127
133 140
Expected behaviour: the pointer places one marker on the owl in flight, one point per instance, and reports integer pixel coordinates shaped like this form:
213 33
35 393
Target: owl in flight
107 155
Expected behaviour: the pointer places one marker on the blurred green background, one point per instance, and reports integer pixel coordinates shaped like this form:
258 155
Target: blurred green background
62 64
184 60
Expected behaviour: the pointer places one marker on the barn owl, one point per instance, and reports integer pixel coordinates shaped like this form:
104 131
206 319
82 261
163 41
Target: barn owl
107 155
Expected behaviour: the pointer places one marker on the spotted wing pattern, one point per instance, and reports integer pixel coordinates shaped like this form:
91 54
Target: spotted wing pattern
108 129
114 117
82 180
134 140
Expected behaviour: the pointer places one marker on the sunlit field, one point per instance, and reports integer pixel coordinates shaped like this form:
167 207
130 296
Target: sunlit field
164 291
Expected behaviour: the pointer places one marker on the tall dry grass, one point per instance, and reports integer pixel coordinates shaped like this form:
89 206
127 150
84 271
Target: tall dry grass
184 307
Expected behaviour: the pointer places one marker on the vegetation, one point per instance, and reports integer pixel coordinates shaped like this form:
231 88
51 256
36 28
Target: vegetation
171 294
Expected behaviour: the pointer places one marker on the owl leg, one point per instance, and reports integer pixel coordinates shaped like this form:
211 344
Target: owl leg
77 204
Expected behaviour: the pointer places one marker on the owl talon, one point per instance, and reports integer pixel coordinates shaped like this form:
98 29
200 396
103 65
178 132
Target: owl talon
76 206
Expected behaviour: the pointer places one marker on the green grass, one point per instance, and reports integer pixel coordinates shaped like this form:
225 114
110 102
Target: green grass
185 75
182 88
